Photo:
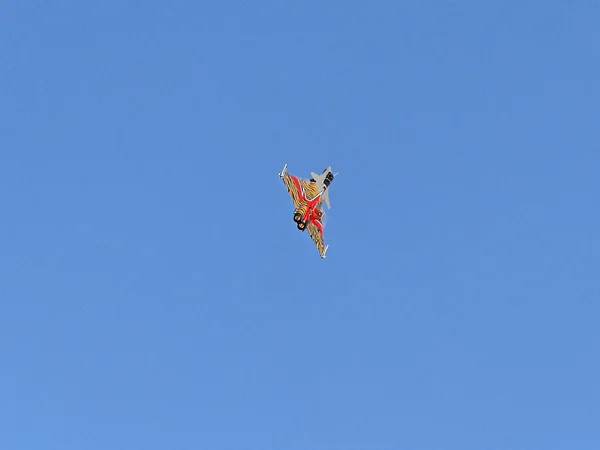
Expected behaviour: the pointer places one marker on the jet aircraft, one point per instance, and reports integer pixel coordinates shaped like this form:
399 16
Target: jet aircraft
308 197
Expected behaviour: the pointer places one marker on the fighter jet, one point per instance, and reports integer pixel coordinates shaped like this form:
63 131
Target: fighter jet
308 197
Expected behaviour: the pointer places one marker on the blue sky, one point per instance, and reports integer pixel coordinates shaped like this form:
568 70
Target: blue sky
155 293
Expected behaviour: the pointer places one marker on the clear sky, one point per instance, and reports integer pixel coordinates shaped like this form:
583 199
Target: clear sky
155 293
